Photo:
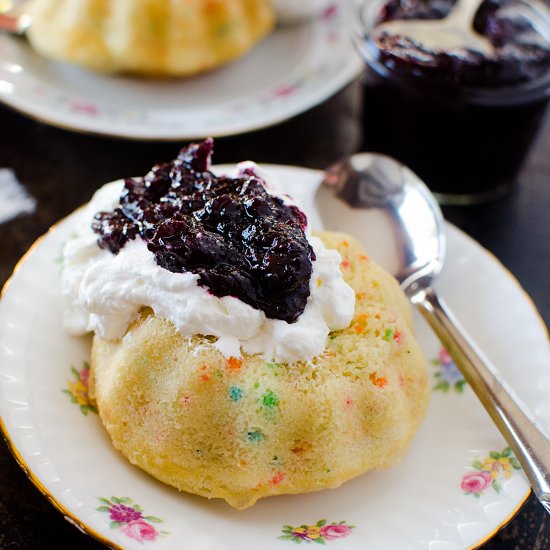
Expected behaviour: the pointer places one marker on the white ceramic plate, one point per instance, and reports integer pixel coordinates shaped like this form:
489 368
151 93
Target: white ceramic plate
428 502
294 69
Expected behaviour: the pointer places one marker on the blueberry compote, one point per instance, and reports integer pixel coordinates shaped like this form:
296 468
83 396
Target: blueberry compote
462 120
520 52
240 240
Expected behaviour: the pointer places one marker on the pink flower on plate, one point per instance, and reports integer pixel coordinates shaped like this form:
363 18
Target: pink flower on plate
122 513
129 518
335 531
444 357
139 530
330 11
283 91
85 108
85 376
475 482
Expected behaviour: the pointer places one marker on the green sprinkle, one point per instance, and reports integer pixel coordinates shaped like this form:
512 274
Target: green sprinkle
388 335
223 30
269 399
255 436
235 393
273 365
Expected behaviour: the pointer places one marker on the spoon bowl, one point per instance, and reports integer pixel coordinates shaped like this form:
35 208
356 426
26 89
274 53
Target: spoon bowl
455 31
397 198
404 205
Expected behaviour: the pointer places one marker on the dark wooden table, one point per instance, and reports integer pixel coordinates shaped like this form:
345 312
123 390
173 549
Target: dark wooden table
62 169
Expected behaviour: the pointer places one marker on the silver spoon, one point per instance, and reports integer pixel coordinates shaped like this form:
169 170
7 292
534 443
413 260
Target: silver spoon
397 198
455 31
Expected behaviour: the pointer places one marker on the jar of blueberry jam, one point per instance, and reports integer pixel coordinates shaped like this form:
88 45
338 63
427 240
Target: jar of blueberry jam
455 89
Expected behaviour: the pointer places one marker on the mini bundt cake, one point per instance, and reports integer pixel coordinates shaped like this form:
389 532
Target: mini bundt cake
235 355
150 37
246 428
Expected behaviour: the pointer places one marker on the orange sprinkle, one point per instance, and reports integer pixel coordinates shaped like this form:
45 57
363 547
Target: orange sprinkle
301 447
277 478
205 377
363 257
397 336
379 382
234 364
359 326
243 462
211 7
345 264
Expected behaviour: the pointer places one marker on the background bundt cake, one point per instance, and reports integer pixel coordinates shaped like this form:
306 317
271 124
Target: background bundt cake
152 37
245 428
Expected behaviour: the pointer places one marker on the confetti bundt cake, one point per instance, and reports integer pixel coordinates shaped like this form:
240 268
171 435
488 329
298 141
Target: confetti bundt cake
150 37
328 385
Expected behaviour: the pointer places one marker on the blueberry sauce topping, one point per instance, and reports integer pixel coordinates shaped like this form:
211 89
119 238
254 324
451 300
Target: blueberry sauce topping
521 52
240 240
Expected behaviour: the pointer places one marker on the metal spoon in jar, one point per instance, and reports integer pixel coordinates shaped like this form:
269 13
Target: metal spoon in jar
397 198
455 31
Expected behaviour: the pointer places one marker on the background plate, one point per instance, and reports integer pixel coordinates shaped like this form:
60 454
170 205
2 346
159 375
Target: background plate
428 502
292 70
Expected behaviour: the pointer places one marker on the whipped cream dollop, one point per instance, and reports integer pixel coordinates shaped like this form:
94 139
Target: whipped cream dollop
105 292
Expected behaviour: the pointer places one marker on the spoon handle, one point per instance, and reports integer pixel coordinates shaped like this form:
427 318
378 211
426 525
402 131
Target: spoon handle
529 444
464 11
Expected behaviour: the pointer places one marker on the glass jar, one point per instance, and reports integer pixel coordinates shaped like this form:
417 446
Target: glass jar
467 140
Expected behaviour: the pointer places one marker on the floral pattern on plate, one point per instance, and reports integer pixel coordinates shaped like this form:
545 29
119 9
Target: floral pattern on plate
448 377
490 472
129 518
77 389
320 532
